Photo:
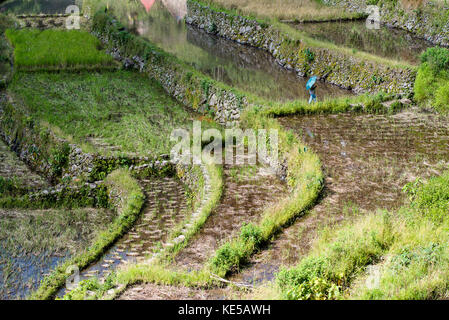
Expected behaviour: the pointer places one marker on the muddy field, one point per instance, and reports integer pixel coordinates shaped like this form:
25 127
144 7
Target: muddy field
368 159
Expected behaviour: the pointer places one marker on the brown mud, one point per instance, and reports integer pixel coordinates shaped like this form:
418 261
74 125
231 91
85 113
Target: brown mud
165 207
248 190
367 160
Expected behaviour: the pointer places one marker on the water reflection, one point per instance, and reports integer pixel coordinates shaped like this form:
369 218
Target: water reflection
37 6
246 68
385 42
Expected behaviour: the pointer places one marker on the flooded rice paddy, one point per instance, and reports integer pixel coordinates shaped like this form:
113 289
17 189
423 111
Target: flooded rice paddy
385 42
367 159
165 207
248 190
237 65
34 242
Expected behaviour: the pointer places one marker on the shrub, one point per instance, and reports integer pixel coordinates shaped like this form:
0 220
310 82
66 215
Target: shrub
437 58
442 97
251 233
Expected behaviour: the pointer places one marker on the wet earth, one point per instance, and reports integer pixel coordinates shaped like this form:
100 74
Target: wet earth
165 207
248 190
367 159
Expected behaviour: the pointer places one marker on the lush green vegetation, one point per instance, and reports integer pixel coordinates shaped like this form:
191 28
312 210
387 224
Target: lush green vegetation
109 112
432 82
296 36
57 49
407 246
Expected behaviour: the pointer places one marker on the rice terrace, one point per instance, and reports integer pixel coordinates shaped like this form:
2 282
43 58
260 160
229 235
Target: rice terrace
224 150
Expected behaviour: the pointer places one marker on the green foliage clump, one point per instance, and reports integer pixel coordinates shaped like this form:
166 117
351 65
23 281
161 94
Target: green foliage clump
35 50
432 81
436 58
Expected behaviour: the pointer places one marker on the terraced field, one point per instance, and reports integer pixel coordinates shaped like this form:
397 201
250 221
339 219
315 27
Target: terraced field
142 227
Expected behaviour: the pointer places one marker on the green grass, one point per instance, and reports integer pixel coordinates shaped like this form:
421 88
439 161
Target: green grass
408 246
361 104
215 173
122 109
57 49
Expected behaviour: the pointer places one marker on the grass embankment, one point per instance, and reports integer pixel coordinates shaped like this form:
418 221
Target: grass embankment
131 199
292 10
432 82
57 49
407 247
109 112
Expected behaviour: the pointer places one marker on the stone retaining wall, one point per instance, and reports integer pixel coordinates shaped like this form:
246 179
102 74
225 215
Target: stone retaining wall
181 81
336 67
54 157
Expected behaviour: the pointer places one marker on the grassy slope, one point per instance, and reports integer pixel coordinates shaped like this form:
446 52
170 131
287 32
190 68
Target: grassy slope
124 109
408 246
299 10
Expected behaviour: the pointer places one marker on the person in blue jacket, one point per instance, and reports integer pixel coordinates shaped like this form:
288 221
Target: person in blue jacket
312 94
311 86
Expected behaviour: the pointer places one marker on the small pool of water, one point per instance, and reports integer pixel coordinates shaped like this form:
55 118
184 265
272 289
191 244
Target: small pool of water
385 42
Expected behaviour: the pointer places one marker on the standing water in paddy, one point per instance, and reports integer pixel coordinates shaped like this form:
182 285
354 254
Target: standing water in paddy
240 66
386 42
367 159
